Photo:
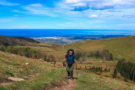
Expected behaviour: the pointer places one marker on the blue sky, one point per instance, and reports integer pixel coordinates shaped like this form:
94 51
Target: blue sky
67 14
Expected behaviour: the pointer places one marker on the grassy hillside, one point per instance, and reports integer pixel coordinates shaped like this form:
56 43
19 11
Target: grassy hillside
88 81
120 46
39 73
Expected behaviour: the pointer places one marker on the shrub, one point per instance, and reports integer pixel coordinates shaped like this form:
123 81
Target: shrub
45 57
21 53
111 56
115 73
105 70
15 50
105 55
54 62
2 48
28 54
6 44
39 54
79 54
92 54
52 58
97 54
2 88
85 68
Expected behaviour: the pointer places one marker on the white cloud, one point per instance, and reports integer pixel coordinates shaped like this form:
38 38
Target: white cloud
72 1
39 9
102 4
79 4
93 16
66 10
3 2
129 16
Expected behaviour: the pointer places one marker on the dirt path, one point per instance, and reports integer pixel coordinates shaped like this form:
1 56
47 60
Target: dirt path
65 85
71 85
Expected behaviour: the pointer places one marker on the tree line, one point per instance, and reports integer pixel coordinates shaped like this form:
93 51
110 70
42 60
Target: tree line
103 54
95 69
28 52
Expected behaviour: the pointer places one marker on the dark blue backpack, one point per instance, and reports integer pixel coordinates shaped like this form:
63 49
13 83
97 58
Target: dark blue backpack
70 58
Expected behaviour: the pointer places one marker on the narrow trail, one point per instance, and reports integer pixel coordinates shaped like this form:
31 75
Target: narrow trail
65 85
68 86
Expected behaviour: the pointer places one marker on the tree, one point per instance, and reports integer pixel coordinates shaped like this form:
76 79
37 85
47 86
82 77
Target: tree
115 73
111 56
85 68
6 44
105 55
39 54
97 54
92 54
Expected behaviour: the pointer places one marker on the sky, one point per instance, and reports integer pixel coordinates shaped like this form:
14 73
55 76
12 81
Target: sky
67 14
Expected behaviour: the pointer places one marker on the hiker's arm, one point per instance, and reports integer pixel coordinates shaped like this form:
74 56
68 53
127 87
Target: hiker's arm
65 59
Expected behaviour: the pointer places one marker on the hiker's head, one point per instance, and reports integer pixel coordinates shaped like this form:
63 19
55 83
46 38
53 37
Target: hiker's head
70 51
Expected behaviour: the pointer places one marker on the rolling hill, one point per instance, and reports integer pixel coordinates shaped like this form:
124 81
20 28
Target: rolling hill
123 47
17 41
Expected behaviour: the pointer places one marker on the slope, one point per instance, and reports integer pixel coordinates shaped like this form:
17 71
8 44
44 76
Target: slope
120 46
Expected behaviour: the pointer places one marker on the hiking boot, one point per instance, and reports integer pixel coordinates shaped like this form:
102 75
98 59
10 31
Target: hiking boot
72 78
68 77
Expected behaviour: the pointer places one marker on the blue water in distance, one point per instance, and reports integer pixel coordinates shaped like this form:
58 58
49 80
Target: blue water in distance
61 32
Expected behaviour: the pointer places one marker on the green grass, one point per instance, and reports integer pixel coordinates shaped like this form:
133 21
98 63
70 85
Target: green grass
46 75
88 81
15 66
38 83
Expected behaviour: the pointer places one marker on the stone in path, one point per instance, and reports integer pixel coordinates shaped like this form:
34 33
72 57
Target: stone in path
15 79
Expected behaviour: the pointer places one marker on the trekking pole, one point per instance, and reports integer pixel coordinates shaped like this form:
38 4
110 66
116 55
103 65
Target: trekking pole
62 69
76 71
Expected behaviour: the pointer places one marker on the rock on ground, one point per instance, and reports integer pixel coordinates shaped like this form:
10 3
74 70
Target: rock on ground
15 79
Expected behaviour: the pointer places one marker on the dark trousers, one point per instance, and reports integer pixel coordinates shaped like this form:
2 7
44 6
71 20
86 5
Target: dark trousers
70 74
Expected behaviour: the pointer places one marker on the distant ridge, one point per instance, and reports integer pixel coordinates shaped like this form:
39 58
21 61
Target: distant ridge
16 40
27 39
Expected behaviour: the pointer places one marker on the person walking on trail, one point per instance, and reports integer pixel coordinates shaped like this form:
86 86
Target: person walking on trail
70 59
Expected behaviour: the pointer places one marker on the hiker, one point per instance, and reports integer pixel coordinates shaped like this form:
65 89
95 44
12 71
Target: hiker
70 59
